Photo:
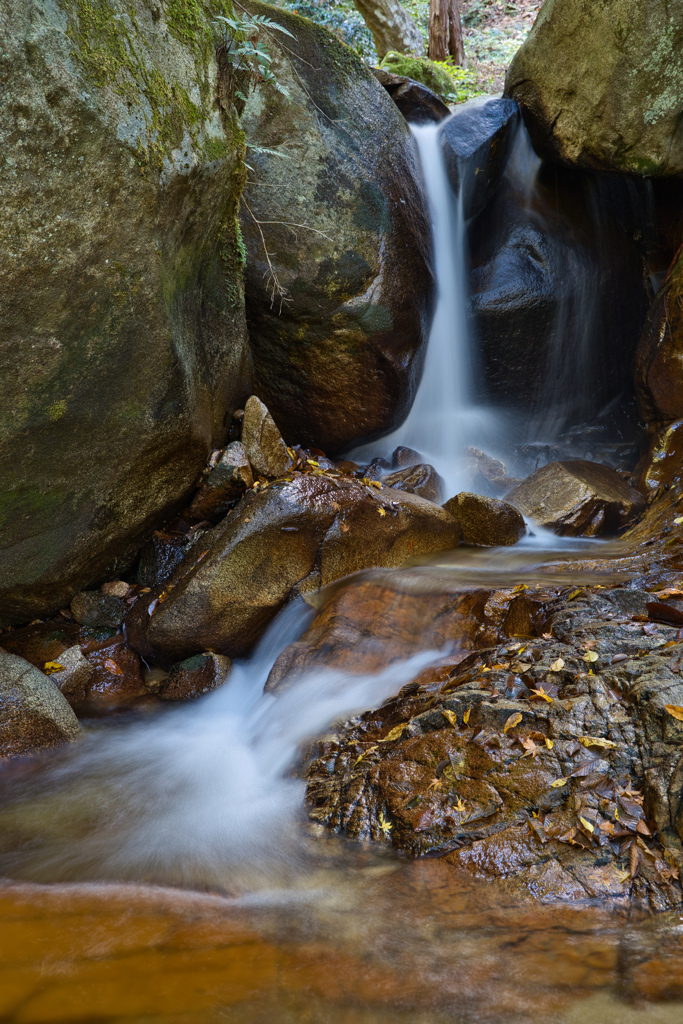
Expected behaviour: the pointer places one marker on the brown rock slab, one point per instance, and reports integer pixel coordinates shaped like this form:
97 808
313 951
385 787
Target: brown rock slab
116 679
195 676
225 484
292 537
33 713
577 498
486 522
262 440
421 479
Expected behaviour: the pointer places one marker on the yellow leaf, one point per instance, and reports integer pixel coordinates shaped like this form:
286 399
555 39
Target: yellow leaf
450 716
312 462
365 753
512 721
382 511
558 665
52 666
586 824
385 825
540 692
549 743
395 733
466 716
291 453
675 711
460 806
575 593
590 656
596 741
519 588
559 783
372 483
678 520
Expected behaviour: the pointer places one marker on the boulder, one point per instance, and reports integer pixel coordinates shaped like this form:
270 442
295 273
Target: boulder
417 103
195 676
72 674
422 479
339 286
476 143
420 69
116 679
262 441
122 333
33 713
659 357
577 499
486 522
558 298
601 86
287 539
93 608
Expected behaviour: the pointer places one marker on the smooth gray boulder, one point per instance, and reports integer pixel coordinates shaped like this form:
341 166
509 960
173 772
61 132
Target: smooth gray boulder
33 713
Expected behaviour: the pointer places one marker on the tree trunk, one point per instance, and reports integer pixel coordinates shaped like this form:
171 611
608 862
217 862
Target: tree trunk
391 26
445 31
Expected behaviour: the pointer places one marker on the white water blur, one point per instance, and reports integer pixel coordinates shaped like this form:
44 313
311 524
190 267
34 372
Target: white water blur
203 794
444 419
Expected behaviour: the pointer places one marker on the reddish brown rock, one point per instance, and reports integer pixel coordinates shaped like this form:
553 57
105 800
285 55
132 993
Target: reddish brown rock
291 537
195 676
117 674
659 358
577 498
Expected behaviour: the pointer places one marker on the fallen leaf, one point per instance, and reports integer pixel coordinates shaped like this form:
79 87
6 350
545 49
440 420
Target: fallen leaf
395 733
519 588
559 783
459 806
466 716
675 711
643 829
312 462
382 511
52 666
678 520
575 593
635 860
113 667
365 753
549 743
558 665
586 824
596 741
450 717
343 527
512 721
529 746
385 825
661 612
540 692
372 483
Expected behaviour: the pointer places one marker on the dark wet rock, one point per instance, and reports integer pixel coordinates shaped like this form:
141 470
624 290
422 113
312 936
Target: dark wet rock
403 457
338 334
163 552
486 521
42 642
477 143
33 713
195 676
116 680
600 87
489 475
659 358
556 272
568 782
417 103
421 479
289 538
122 332
225 483
72 674
262 441
93 608
577 498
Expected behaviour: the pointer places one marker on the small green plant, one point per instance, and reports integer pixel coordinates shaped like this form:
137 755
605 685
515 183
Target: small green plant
249 60
465 83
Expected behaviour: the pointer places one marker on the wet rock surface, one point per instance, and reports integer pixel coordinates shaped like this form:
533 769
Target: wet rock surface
477 143
288 538
486 521
421 479
33 713
659 358
577 498
195 676
93 608
551 759
600 87
225 483
262 441
417 103
339 309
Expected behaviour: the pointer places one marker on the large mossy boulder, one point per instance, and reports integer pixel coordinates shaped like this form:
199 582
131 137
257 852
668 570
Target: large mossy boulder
338 281
601 84
122 331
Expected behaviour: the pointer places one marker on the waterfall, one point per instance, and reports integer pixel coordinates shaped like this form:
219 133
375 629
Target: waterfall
444 418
